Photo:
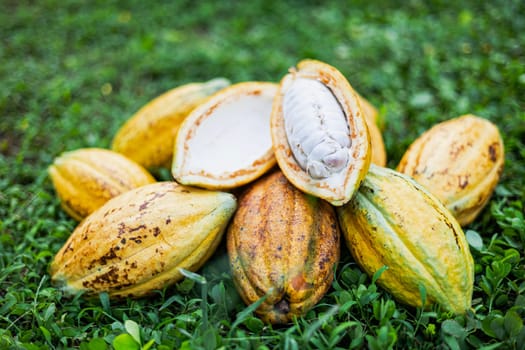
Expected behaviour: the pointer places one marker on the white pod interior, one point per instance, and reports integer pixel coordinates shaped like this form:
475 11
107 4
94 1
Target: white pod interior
226 142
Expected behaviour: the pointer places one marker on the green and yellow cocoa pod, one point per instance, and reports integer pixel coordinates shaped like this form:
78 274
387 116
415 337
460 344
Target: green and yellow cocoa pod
394 222
138 242
86 178
148 136
282 244
460 161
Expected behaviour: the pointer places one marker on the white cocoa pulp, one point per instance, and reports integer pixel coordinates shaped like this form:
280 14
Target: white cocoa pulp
316 127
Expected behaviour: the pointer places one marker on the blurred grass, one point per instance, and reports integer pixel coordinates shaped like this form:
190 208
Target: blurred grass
71 72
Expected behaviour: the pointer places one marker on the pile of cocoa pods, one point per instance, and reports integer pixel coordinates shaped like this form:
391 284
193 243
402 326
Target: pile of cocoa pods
284 172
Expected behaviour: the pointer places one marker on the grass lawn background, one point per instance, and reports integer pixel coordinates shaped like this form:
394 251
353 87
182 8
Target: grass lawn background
71 72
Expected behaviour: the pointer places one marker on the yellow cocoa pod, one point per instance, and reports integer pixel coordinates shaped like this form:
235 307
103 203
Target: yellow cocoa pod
86 178
319 132
370 111
378 146
147 137
138 242
460 161
376 137
282 244
394 222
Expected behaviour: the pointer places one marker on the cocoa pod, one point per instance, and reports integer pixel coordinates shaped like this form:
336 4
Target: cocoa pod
379 156
394 222
137 242
460 161
86 178
319 132
282 244
225 142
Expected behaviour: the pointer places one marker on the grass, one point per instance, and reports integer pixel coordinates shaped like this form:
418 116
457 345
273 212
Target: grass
72 72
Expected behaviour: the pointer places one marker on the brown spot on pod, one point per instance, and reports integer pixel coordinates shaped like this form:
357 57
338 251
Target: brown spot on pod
156 231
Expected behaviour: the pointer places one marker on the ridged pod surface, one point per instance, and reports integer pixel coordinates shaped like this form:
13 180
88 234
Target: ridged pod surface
86 178
460 161
319 132
147 136
225 143
137 242
284 244
395 222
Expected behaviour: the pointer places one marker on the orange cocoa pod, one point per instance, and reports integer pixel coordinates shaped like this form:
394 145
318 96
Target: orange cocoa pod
282 244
